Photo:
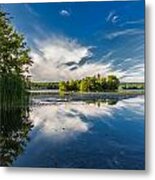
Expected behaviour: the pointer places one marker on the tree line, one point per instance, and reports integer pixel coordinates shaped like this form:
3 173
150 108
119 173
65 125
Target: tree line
91 84
43 85
132 86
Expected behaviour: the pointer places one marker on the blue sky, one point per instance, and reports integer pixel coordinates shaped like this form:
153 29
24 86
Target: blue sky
74 40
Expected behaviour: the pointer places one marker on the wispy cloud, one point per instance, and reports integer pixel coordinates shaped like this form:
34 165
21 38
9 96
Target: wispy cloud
135 73
64 13
141 21
112 17
31 10
126 32
109 16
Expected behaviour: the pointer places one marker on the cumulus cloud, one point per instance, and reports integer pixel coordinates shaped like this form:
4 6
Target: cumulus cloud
64 12
56 58
61 58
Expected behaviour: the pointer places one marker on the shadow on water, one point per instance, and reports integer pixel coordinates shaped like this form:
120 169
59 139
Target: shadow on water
14 119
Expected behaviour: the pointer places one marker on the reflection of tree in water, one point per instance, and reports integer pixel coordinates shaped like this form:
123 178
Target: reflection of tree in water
15 127
99 102
14 69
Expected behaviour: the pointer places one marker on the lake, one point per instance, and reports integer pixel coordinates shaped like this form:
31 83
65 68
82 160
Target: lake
106 134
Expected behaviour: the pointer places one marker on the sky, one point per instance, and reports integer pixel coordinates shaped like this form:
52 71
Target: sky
77 39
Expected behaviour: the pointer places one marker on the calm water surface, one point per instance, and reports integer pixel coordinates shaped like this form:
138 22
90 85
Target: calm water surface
85 135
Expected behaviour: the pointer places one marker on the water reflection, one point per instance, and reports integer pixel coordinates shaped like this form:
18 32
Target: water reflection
15 127
67 119
58 121
14 119
92 134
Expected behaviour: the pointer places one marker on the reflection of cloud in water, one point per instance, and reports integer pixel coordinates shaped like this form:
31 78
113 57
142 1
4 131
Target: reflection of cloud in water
66 119
57 120
133 104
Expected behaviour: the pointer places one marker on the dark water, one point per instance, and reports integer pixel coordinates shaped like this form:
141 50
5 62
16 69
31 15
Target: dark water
105 134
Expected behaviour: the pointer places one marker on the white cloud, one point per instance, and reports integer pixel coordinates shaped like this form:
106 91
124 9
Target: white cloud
126 32
64 12
112 17
56 57
135 73
61 58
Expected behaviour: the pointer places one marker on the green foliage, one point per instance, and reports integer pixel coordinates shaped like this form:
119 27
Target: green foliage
91 84
14 63
62 86
112 82
14 54
14 112
84 86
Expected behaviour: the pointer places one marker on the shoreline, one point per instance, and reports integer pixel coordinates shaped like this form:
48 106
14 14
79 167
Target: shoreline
53 92
85 96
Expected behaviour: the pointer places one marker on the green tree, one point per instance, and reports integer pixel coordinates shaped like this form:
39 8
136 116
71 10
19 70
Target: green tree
112 82
14 53
92 84
103 83
14 62
62 86
73 85
84 86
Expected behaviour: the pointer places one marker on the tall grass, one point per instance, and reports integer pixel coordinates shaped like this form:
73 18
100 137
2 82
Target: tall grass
12 91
